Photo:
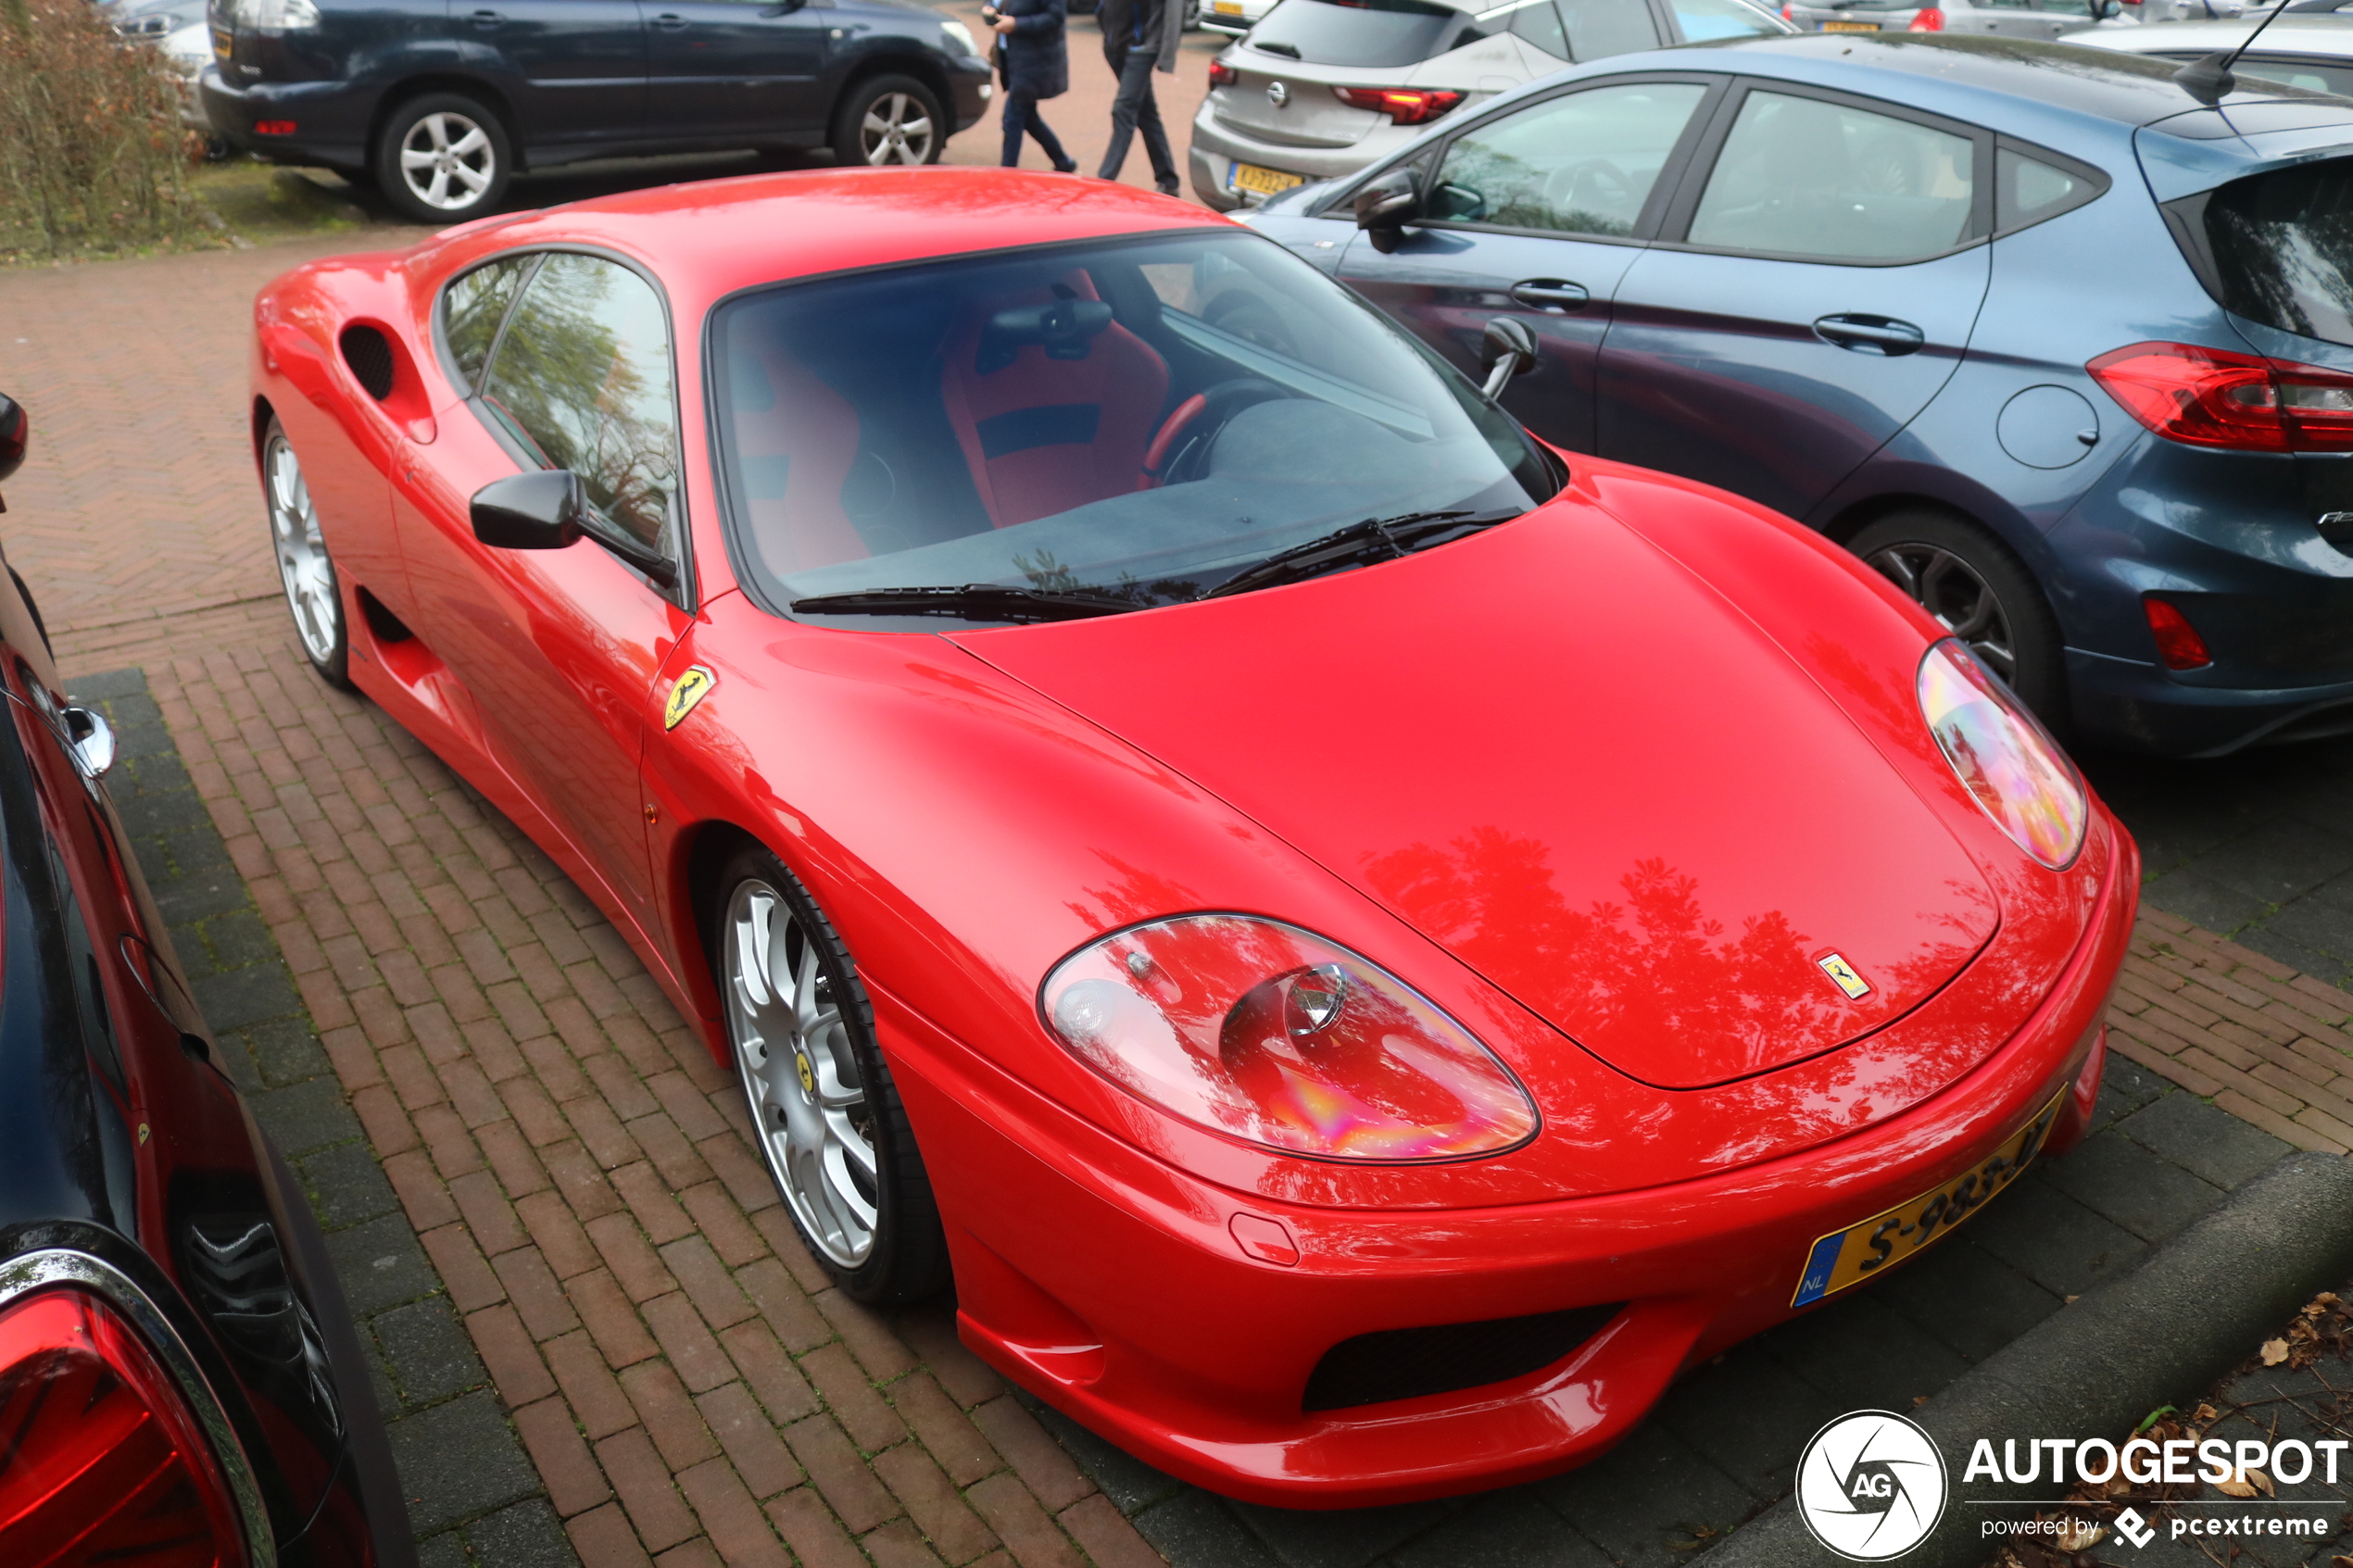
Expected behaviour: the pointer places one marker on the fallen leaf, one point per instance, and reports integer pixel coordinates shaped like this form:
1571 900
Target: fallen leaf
1918 1399
2075 1535
2070 1300
2262 1482
2274 1352
2234 1489
2205 1412
2120 1487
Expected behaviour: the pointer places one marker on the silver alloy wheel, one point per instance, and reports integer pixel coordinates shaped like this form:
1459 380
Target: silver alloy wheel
1962 601
446 161
800 1073
303 566
895 130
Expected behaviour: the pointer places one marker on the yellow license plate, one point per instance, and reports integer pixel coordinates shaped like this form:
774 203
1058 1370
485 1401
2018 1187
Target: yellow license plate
1850 27
1227 7
222 46
1266 182
1854 1254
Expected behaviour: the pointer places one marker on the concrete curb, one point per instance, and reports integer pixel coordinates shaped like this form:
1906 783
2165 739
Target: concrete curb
2196 1308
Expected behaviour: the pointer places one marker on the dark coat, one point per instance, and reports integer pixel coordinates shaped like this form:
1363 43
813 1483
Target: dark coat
1034 59
1150 27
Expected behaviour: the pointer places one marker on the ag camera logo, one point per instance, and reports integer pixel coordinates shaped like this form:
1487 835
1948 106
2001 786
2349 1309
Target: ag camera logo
1870 1486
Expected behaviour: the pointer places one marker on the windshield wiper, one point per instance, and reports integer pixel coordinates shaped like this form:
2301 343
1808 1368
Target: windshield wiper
976 601
1360 544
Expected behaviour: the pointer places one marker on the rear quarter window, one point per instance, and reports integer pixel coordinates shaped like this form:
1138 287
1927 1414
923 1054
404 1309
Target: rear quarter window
2278 248
1377 33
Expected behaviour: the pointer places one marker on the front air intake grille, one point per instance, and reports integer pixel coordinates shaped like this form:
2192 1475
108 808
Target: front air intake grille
370 357
1405 1363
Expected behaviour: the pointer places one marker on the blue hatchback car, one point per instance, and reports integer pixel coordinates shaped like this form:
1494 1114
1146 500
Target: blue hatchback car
2059 346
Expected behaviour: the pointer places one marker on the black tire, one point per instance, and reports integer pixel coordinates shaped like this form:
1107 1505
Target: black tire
444 123
907 1256
875 123
1982 593
306 570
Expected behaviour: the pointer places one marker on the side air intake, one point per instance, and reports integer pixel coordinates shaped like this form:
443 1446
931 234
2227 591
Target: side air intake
1405 1363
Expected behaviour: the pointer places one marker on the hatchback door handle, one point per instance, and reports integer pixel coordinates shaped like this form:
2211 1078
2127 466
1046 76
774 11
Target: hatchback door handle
669 21
487 19
1550 294
1871 334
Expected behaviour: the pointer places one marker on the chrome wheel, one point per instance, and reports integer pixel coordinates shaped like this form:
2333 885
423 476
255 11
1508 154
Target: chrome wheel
800 1074
303 566
446 161
1962 601
897 129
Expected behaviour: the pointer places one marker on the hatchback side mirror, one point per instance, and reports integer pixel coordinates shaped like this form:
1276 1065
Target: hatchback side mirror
14 430
530 511
1506 349
1385 205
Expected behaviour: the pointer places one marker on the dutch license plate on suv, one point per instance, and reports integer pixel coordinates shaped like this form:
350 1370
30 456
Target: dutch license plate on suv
1850 27
1853 1255
1266 182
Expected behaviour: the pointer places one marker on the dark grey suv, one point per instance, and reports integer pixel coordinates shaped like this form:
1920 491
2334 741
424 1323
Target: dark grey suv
440 100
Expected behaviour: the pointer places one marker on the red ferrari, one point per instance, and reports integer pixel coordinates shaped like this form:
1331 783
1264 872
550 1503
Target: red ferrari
1363 945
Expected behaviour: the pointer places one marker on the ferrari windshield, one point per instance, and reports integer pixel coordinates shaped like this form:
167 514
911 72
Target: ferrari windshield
1117 424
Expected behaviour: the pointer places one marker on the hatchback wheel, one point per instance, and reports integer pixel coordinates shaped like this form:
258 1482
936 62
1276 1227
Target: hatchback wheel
888 120
1978 592
831 1128
305 569
442 158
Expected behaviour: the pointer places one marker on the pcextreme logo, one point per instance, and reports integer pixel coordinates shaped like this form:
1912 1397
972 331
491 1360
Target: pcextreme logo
1870 1486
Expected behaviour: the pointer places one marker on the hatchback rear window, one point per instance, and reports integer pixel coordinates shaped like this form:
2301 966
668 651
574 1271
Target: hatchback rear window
1360 33
2279 247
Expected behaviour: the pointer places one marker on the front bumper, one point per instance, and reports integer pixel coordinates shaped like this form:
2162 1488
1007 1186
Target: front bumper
331 118
1113 1286
971 84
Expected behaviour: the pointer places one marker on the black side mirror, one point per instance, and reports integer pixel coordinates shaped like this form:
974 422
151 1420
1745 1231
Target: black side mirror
14 430
530 511
783 7
1385 205
1506 349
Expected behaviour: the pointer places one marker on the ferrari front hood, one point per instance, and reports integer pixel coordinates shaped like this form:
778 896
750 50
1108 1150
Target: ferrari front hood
1573 764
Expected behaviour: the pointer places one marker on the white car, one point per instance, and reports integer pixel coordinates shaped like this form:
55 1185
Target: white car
2308 46
1233 18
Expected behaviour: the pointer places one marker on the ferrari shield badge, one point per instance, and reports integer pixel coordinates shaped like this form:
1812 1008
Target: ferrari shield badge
1841 973
692 688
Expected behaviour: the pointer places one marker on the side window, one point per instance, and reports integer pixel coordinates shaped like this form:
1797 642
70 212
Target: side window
582 378
2312 75
1583 163
1802 178
1536 22
1705 20
1598 29
471 309
2027 190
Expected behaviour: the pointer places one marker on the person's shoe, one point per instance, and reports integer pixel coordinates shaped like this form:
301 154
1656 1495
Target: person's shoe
1065 167
1171 188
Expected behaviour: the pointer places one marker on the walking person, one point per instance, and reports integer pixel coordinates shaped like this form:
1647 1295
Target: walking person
1139 37
1034 59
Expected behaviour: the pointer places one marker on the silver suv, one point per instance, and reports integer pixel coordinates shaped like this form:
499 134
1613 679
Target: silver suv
2000 19
1319 90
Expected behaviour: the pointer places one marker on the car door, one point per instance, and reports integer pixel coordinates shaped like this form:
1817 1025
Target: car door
575 69
735 68
559 649
1814 285
1537 213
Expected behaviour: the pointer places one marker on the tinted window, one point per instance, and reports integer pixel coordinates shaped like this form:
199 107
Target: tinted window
471 310
1601 27
1539 22
2027 190
1142 418
583 376
2307 74
2283 246
1583 163
1363 33
1704 19
1799 177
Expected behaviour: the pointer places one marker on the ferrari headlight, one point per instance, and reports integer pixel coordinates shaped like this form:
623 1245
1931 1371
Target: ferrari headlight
1270 1034
961 36
2003 754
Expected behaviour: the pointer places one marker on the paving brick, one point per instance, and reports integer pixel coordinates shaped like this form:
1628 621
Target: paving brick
610 1320
810 1528
1028 1533
636 1472
750 1439
781 1301
511 1160
707 1284
546 1312
722 1224
869 1338
863 1412
588 1384
487 1213
778 1384
557 1234
631 1259
512 1360
839 1475
574 1482
642 1189
930 1332
943 1429
739 1531
931 1500
687 1341
455 1258
1036 1459
898 1545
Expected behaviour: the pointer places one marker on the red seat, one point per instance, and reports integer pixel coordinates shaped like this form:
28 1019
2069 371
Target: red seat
791 460
1043 435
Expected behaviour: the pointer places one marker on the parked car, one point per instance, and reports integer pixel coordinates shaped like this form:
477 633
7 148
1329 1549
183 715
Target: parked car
179 1377
440 104
2089 406
1993 18
1234 17
2309 50
178 30
1321 88
1044 679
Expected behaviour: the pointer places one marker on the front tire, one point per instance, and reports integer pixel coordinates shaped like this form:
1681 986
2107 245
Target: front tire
1981 593
442 158
888 120
314 594
830 1125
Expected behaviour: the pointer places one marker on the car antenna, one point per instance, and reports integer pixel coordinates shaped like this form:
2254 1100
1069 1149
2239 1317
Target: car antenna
2208 79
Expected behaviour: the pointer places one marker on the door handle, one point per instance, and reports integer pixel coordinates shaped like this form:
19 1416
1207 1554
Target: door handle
487 19
1871 334
1549 293
669 21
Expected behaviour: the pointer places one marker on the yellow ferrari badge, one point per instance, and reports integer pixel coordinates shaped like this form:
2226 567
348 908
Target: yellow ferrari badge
1841 973
692 688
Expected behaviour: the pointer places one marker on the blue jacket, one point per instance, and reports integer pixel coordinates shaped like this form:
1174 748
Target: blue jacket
1032 58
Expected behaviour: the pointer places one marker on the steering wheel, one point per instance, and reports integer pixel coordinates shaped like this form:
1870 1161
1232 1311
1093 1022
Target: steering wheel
1182 443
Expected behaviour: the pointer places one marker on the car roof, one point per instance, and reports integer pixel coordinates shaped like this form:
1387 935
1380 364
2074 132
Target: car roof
2320 34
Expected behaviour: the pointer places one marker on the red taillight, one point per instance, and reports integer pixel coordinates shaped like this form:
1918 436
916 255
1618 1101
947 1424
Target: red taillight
1789 12
1407 105
2213 397
1927 19
1223 75
2178 642
104 1461
274 127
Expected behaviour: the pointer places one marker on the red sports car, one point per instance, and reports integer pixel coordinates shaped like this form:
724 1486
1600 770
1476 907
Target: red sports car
1363 944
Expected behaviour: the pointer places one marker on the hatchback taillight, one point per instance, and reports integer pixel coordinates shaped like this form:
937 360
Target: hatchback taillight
101 1460
1927 19
2213 397
1405 105
1223 75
